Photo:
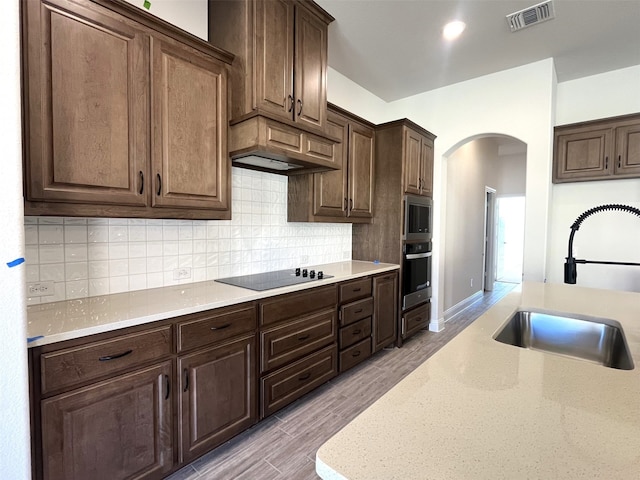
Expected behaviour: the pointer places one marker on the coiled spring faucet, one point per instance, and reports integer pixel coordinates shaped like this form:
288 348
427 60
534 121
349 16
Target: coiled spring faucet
570 270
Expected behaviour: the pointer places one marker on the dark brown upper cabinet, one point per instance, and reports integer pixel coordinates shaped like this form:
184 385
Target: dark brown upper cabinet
418 162
604 149
279 91
344 195
122 114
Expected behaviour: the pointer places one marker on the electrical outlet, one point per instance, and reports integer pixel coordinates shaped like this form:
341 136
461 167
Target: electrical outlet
304 259
182 273
40 289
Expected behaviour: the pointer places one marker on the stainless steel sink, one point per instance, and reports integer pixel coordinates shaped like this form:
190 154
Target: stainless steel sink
595 340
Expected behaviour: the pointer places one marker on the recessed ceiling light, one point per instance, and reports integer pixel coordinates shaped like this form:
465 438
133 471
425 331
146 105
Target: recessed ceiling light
452 30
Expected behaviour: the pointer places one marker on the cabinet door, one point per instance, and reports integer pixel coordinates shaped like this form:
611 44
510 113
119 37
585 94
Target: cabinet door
385 310
274 44
426 168
86 72
310 69
120 428
361 175
218 398
330 188
627 161
189 119
583 154
412 161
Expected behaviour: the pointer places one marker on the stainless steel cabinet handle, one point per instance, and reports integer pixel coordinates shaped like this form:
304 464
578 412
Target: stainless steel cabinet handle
159 184
413 256
221 327
141 183
167 386
299 107
290 98
106 358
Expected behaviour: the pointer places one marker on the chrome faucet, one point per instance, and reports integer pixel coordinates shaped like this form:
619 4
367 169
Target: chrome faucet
570 270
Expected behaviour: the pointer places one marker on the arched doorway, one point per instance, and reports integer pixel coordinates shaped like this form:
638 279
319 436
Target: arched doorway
475 166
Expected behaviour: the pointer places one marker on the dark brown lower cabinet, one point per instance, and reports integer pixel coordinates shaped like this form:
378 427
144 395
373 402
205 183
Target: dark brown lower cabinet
218 395
415 319
385 310
117 429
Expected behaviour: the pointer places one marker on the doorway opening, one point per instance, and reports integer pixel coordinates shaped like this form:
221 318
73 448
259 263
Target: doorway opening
510 239
489 274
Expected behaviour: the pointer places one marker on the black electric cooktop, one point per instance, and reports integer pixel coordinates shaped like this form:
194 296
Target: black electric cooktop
277 279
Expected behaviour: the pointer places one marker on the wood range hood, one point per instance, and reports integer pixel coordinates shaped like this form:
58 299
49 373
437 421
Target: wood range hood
278 84
262 141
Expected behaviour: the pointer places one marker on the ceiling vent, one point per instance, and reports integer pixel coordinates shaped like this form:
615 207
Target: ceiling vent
531 16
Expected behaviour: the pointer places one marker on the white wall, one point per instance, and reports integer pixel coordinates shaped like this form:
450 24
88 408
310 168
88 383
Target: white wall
352 97
15 460
606 235
189 15
519 103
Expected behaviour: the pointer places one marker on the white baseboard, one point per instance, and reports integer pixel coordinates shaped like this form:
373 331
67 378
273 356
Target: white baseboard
461 306
436 325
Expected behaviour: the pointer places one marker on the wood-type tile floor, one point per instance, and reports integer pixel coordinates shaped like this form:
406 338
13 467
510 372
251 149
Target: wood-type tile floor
283 446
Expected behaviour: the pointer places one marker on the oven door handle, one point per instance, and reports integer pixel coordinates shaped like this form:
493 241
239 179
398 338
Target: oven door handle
414 256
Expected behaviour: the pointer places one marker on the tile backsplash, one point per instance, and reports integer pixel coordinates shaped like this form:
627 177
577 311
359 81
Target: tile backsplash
85 257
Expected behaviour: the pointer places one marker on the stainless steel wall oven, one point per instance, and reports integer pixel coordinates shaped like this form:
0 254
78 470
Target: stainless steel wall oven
416 274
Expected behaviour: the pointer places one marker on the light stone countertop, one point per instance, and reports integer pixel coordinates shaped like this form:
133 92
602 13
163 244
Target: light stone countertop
58 321
480 409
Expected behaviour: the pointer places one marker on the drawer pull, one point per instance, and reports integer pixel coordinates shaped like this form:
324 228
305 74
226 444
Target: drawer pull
356 353
303 337
357 332
358 311
186 380
106 358
221 327
356 289
167 386
304 377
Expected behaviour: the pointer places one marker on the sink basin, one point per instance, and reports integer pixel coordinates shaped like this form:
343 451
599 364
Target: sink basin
595 340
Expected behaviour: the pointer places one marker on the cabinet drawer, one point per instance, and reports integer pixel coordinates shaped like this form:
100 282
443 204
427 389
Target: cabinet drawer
416 319
355 311
289 383
73 366
293 305
355 354
294 340
354 290
354 333
210 327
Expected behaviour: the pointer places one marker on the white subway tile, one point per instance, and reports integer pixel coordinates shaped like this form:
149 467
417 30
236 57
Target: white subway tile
137 233
32 273
137 250
185 261
119 284
169 264
98 269
52 272
118 233
98 287
77 289
30 220
199 246
76 271
170 249
75 233
31 234
98 251
50 220
118 268
169 232
154 264
185 247
137 266
118 251
51 254
185 232
32 254
155 280
137 282
154 233
199 232
154 249
212 273
118 221
50 234
199 274
97 233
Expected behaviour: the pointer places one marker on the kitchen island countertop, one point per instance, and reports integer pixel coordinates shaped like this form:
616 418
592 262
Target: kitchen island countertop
480 409
57 321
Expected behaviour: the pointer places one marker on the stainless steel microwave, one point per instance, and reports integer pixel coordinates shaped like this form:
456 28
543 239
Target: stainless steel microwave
418 218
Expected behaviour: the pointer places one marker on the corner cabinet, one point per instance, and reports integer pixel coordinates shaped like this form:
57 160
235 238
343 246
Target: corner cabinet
121 118
605 149
344 195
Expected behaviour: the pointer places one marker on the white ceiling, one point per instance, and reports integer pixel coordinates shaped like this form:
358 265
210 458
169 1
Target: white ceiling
394 48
